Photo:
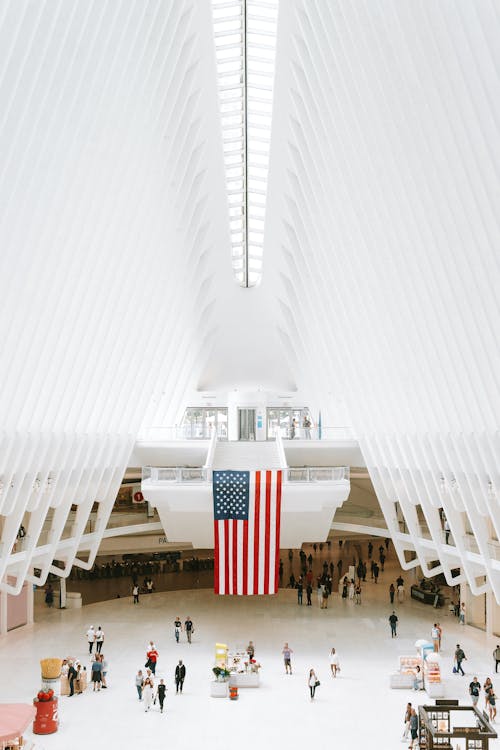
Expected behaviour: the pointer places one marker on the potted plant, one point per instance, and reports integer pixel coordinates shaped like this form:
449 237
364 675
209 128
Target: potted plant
221 673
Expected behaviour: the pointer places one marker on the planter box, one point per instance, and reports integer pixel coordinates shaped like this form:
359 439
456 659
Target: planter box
218 689
244 679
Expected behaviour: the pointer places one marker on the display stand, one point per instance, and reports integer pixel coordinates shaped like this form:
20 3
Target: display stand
432 676
405 677
244 679
244 671
439 727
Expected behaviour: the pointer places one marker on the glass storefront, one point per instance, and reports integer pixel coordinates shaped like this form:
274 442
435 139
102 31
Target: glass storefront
198 422
289 422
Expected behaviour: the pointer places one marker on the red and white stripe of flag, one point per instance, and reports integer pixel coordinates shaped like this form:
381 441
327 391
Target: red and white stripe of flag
247 552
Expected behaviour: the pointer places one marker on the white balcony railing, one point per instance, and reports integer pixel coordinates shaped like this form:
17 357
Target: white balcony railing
202 475
204 432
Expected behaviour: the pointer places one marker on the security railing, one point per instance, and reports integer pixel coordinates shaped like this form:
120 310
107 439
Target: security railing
169 475
201 475
182 432
316 433
317 474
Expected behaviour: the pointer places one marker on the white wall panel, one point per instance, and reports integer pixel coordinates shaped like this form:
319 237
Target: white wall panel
384 178
111 191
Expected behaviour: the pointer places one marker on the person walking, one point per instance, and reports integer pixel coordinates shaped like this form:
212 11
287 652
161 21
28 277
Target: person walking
250 650
474 690
490 698
104 669
319 594
152 657
357 593
496 656
392 591
376 571
96 674
406 721
440 631
180 676
313 682
72 673
334 662
413 728
309 591
287 657
344 588
99 639
139 682
461 614
446 531
324 600
401 592
300 591
135 593
459 658
147 694
351 590
90 638
49 594
160 692
393 620
435 637
177 628
189 628
382 561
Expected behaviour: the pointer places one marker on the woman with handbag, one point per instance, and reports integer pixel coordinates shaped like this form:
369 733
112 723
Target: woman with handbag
313 682
490 698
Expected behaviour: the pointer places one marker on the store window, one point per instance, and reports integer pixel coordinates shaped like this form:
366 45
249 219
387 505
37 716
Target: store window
198 422
288 422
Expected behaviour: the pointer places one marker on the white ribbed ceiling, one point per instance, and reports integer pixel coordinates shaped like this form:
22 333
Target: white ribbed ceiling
381 252
384 184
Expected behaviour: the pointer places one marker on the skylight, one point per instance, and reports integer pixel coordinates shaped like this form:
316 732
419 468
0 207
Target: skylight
245 43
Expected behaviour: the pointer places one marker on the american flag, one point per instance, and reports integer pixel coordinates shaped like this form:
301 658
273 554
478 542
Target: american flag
247 514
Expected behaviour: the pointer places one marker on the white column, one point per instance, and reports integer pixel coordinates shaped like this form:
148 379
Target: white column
3 612
30 603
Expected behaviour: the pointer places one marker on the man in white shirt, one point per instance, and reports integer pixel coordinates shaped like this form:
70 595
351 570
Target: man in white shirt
91 638
99 639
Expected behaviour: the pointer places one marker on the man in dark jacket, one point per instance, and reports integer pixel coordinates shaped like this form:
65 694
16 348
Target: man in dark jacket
180 675
72 673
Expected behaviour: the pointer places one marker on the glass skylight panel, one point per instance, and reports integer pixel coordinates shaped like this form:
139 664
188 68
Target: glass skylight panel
245 42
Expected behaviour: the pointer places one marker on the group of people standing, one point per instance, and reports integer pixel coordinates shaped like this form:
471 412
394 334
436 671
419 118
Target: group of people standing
145 680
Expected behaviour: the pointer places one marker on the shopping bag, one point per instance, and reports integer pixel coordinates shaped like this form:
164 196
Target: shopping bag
455 670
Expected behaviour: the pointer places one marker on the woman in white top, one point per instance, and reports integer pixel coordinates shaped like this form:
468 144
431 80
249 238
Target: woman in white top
334 662
312 682
351 589
147 693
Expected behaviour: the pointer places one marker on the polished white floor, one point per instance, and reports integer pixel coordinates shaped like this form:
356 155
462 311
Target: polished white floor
356 710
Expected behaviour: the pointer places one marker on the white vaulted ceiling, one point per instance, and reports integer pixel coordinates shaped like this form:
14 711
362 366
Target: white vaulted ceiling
380 265
383 220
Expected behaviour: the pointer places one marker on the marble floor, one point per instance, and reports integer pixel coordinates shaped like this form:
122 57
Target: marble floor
356 710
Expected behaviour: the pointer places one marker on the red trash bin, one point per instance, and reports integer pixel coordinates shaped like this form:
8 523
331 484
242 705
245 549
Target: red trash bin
46 719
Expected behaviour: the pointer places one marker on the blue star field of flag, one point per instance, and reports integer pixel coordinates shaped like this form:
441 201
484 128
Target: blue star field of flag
231 495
